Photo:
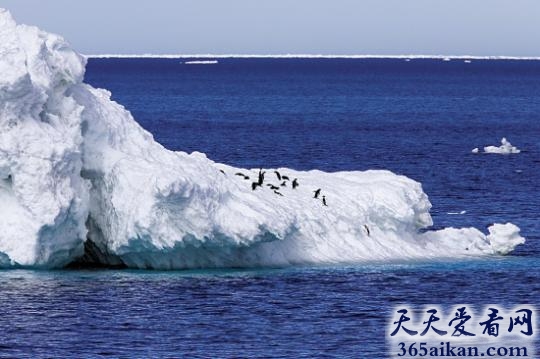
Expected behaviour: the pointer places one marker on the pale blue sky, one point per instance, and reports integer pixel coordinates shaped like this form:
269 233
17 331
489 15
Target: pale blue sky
386 27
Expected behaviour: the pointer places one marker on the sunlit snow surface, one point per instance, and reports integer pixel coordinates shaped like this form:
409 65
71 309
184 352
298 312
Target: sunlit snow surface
75 166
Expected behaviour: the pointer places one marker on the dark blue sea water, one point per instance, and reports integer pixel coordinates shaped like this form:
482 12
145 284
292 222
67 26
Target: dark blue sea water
420 118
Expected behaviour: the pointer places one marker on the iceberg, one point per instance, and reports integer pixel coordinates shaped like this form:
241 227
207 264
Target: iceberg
82 181
504 149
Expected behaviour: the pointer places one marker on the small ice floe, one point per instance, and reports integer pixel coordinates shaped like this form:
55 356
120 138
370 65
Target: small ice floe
467 61
518 171
455 213
201 62
475 150
504 149
446 59
407 60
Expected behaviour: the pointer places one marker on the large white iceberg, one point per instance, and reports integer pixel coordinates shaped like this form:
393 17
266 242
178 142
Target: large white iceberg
81 180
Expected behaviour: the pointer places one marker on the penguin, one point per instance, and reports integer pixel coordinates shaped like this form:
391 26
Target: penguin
278 193
324 201
295 183
242 175
317 193
261 177
223 172
278 175
284 184
286 178
367 229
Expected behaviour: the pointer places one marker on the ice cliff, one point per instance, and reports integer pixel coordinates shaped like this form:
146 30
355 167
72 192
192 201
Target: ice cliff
81 180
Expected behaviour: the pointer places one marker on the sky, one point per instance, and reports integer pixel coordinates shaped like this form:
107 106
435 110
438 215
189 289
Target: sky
353 27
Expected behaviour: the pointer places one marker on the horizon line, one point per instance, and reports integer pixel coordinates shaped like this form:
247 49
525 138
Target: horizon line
314 56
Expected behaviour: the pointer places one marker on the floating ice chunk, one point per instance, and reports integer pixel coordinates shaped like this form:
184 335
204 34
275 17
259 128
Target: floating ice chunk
201 62
475 150
455 213
504 149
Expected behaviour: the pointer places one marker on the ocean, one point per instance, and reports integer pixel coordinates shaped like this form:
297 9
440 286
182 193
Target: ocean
420 118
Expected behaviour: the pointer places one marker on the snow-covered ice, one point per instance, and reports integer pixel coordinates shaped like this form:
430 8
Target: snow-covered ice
504 149
77 171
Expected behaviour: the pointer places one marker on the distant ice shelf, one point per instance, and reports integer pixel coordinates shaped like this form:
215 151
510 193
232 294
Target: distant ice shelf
313 56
